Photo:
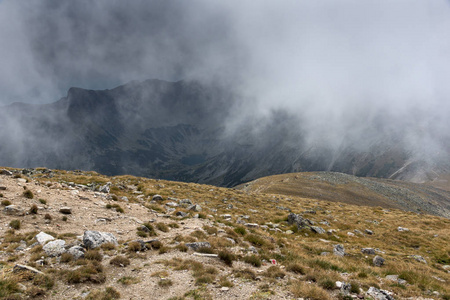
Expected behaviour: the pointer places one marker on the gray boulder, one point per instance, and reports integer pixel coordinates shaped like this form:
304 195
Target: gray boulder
157 197
299 221
419 258
197 245
93 239
54 248
346 288
317 229
76 251
195 208
338 250
377 294
13 210
5 172
378 261
105 188
368 231
43 238
368 251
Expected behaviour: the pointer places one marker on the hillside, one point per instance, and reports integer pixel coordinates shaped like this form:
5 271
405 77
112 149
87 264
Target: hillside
338 187
174 240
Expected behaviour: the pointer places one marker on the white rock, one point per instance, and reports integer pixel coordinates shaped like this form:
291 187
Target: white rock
42 238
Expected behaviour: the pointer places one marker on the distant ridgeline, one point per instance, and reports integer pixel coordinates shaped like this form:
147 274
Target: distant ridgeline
176 131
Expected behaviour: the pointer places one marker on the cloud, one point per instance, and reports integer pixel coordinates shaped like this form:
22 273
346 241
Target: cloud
340 66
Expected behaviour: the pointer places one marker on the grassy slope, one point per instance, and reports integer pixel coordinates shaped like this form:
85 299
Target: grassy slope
429 236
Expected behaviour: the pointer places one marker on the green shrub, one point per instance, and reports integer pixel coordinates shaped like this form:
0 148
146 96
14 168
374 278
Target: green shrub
43 201
28 194
227 257
6 202
15 224
253 260
33 209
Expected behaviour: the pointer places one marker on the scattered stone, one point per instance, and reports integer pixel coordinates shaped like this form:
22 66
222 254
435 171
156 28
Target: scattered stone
317 229
346 288
350 234
43 238
378 261
339 250
369 232
195 208
93 239
181 214
13 210
289 232
185 202
368 251
65 210
76 251
401 229
55 248
105 188
2 188
157 197
379 294
324 253
338 284
419 258
197 245
205 254
172 204
5 172
299 221
251 225
19 267
226 216
392 277
224 289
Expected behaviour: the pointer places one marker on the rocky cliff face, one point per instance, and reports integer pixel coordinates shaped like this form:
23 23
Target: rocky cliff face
176 130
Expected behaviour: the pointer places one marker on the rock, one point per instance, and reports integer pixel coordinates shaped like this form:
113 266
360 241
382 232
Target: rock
379 294
5 172
346 288
43 238
197 245
65 210
19 267
157 197
339 250
195 208
369 232
368 251
289 232
185 202
76 251
2 188
299 221
226 216
324 253
338 284
317 229
401 229
13 210
55 248
419 258
93 239
392 277
172 204
224 289
251 225
105 188
350 234
181 214
378 261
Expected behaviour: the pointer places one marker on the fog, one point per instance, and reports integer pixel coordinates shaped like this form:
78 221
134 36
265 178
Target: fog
341 67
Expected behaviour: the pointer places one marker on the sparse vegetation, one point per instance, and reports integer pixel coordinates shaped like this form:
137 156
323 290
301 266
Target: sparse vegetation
33 209
6 202
28 194
120 261
15 224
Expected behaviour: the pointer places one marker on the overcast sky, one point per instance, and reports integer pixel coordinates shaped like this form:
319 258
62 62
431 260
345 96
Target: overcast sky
331 59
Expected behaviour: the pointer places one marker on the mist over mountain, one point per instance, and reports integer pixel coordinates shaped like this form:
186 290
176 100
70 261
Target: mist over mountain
244 90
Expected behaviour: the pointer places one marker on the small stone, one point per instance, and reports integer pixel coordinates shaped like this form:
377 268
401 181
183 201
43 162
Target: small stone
13 210
65 210
171 204
43 238
195 208
76 251
289 232
54 248
379 294
105 188
197 245
368 251
392 277
181 214
157 197
378 261
93 239
19 267
369 232
317 229
2 188
350 234
251 225
224 289
339 250
401 229
346 288
5 172
419 258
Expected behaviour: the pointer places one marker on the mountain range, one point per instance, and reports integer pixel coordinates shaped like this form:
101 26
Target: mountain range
181 131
